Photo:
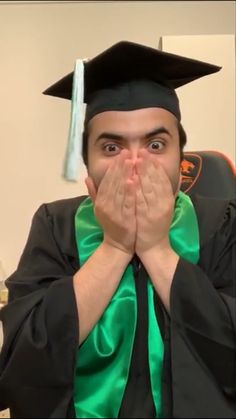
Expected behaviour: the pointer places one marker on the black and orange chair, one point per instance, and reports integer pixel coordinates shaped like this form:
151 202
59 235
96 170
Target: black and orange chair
208 173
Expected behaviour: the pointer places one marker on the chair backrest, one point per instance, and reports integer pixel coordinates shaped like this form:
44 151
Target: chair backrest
208 173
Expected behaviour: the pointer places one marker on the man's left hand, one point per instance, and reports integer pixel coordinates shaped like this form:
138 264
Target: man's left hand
154 204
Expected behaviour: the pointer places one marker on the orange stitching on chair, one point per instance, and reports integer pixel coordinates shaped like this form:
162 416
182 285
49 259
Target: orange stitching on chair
226 158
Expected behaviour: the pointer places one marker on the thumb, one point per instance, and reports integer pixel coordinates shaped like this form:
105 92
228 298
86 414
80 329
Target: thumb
179 185
91 188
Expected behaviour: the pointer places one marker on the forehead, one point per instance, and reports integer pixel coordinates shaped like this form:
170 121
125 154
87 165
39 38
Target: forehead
136 121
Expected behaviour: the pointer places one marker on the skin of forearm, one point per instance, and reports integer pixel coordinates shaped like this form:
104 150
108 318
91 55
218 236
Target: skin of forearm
160 264
95 283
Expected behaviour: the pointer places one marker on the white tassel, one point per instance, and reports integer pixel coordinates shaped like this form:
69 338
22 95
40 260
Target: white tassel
73 158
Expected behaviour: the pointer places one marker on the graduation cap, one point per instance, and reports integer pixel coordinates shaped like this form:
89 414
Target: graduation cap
126 76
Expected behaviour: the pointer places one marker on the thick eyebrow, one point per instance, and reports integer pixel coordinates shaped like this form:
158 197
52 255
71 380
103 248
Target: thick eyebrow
109 136
119 137
157 131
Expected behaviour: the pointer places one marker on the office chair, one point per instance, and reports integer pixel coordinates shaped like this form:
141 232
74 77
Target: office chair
208 173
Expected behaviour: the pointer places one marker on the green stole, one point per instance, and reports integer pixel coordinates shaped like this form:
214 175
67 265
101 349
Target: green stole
103 360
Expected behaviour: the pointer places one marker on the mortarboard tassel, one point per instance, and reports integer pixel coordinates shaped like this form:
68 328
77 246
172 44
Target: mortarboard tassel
74 145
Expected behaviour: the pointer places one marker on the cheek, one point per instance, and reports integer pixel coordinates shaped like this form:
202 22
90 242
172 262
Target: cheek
97 170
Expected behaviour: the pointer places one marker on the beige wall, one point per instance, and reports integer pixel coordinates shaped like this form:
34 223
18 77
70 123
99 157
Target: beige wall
38 44
208 104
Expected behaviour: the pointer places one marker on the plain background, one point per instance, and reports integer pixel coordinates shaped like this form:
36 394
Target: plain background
39 42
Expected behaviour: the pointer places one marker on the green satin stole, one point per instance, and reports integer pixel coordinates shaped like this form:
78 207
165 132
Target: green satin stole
103 360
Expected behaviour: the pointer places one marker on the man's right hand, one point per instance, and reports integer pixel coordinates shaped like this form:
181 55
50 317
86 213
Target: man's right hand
114 203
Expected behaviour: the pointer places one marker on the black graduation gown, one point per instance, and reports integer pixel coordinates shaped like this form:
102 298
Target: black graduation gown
41 324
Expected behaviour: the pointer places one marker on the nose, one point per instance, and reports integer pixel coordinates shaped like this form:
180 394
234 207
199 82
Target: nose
134 151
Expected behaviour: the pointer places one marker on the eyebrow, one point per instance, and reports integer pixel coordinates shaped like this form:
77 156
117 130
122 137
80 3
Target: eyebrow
157 131
109 136
119 137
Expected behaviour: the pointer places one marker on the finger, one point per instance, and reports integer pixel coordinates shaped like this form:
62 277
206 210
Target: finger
141 203
128 207
108 181
143 153
144 179
125 178
155 182
91 188
160 179
179 185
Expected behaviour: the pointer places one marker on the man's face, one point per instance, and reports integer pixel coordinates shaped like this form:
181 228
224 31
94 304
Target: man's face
153 129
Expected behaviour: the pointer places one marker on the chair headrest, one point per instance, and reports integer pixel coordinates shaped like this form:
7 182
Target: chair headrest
208 173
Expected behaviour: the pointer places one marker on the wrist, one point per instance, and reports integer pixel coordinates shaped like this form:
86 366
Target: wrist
162 249
166 257
114 251
163 253
160 263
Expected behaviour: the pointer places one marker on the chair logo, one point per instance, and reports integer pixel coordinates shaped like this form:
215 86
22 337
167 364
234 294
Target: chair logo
190 170
187 166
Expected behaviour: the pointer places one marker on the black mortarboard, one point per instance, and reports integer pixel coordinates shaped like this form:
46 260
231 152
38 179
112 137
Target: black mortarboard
125 77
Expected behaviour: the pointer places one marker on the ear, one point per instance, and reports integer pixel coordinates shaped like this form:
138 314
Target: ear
91 188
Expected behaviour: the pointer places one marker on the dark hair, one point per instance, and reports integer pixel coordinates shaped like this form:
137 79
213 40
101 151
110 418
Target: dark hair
85 147
182 142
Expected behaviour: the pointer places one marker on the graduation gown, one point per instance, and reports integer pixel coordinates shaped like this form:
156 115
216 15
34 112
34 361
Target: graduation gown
41 325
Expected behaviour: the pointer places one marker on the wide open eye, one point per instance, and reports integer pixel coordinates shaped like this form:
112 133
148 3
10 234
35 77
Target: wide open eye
156 146
111 149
